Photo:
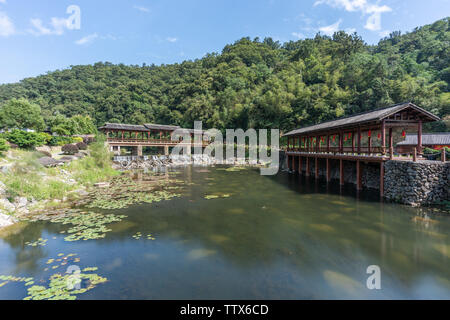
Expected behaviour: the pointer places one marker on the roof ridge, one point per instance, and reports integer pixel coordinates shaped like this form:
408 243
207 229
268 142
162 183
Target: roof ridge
361 113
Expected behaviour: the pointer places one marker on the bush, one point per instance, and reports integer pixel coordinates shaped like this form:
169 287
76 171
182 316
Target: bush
82 146
3 145
27 140
430 151
77 139
60 141
70 149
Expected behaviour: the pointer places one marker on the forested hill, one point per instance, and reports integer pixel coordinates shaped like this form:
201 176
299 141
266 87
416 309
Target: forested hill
258 83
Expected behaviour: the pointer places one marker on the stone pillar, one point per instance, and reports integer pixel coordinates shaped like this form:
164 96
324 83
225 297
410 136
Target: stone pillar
139 151
166 150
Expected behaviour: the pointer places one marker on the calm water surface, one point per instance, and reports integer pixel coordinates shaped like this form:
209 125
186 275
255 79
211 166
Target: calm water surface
279 237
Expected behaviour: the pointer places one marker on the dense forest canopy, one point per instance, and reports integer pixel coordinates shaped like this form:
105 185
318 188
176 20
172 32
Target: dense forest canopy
257 83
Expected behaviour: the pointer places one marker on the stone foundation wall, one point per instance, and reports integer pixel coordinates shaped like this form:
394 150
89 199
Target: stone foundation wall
417 183
407 182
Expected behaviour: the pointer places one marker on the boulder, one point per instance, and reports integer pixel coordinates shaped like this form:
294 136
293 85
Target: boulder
6 220
6 205
48 162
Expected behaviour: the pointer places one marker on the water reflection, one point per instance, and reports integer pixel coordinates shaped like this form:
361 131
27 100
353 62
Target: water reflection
275 237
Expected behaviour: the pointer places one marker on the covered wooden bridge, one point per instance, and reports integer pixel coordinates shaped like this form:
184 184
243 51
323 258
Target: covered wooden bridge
148 135
364 138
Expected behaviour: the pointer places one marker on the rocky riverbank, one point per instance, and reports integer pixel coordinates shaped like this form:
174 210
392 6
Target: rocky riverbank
417 183
156 162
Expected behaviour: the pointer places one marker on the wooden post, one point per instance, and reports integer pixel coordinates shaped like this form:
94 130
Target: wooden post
382 179
370 144
300 164
358 175
328 170
383 137
317 168
443 155
391 144
353 142
307 167
317 143
341 172
328 143
415 154
419 137
341 143
359 140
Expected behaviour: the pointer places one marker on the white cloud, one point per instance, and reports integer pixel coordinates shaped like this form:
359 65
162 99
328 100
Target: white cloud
171 39
58 25
384 33
6 25
332 28
142 9
373 22
86 40
2 1
298 35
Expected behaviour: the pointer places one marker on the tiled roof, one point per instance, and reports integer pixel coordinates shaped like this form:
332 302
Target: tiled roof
427 139
121 126
361 118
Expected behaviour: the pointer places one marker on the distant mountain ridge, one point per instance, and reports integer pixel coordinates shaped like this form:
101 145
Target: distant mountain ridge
258 83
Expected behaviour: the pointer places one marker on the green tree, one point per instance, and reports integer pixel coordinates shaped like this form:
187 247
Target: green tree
21 114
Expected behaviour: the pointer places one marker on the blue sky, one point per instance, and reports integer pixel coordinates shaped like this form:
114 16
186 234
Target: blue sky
36 37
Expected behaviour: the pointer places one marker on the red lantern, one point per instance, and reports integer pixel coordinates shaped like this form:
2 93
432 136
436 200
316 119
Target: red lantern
379 136
369 133
334 138
403 133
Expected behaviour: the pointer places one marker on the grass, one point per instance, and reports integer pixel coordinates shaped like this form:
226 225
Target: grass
28 178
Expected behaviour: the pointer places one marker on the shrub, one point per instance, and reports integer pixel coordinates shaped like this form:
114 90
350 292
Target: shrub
70 149
77 139
60 141
82 146
430 151
3 145
27 140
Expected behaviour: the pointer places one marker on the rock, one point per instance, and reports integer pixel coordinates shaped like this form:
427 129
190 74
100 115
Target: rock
6 220
20 202
48 162
79 155
102 185
6 205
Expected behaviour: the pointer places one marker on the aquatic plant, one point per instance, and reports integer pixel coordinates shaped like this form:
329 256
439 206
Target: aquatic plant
88 225
61 286
216 196
38 242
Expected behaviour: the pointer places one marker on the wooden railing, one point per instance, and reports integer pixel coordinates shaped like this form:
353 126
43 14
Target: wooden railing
336 150
147 141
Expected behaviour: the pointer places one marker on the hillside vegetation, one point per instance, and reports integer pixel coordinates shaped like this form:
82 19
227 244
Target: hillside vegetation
257 83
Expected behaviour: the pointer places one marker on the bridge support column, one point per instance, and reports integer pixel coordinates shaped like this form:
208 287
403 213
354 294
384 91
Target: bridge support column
300 169
307 167
328 170
341 172
166 150
382 179
139 151
317 168
358 175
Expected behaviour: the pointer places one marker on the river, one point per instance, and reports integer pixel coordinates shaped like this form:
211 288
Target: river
239 235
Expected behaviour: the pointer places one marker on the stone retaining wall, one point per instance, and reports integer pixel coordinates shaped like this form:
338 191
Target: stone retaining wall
417 183
407 182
